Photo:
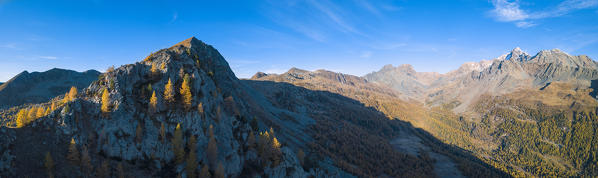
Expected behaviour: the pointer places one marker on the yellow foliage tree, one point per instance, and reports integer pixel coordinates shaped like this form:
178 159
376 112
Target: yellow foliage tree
154 69
162 132
48 111
153 103
32 114
212 152
49 164
191 166
73 154
204 172
105 101
219 173
177 144
41 111
186 91
169 92
72 93
22 117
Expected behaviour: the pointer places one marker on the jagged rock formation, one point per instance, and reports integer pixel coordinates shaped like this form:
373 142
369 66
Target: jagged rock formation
40 87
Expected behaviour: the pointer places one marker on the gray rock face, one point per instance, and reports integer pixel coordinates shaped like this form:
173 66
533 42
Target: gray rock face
218 104
38 87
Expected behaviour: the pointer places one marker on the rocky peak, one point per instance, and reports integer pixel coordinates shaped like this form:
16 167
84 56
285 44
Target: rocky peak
258 75
190 43
518 55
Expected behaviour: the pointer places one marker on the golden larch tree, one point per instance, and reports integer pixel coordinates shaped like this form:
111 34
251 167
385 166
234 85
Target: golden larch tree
49 164
162 132
72 93
22 117
205 171
154 69
191 166
73 154
186 92
219 173
177 144
105 101
32 114
41 111
86 161
139 133
169 92
153 104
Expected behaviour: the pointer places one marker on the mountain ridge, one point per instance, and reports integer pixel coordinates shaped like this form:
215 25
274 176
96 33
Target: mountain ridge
17 90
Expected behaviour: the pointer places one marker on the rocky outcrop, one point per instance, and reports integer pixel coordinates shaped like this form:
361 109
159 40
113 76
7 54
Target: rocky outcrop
129 133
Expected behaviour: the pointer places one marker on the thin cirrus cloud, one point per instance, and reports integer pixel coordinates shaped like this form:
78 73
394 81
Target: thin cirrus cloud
507 11
324 16
48 57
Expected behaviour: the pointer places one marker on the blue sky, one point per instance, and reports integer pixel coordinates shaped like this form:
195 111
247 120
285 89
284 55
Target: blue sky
349 36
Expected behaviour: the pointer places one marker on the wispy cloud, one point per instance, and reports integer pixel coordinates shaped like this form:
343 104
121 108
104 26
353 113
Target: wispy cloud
175 16
332 12
511 11
366 54
48 57
506 11
369 7
9 46
524 24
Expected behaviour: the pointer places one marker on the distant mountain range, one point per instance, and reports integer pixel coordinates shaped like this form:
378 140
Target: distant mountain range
38 87
505 74
516 115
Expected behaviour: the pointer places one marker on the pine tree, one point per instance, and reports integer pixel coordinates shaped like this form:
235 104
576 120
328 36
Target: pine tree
32 114
191 165
212 152
200 109
139 133
105 101
251 140
48 111
276 153
177 145
86 161
154 69
219 173
169 92
40 112
162 132
22 117
104 170
186 92
205 171
72 93
153 103
73 154
301 156
49 164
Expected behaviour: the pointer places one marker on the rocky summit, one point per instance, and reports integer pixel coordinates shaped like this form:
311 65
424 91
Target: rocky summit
133 120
